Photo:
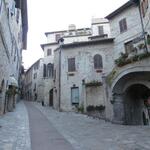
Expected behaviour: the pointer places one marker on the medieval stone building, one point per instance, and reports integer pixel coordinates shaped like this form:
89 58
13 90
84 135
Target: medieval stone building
104 69
13 39
129 79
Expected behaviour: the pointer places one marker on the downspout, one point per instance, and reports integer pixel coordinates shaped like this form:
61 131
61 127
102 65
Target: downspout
137 2
61 40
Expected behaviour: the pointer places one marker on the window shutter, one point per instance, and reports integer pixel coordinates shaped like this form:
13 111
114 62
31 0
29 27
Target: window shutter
123 25
120 25
98 64
100 30
49 52
50 68
71 65
44 70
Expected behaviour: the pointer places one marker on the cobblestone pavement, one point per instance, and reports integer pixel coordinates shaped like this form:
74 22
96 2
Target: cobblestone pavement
86 133
44 135
14 130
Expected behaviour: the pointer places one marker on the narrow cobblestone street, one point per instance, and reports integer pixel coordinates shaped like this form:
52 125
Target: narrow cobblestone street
53 130
43 135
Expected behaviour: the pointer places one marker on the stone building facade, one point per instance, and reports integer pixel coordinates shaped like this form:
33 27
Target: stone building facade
70 35
125 83
80 81
13 34
104 68
33 84
80 67
129 82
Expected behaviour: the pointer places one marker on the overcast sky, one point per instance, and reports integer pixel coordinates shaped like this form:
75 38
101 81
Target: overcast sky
53 15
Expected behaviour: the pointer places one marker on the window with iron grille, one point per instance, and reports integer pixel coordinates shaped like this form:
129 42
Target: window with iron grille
123 25
71 65
98 64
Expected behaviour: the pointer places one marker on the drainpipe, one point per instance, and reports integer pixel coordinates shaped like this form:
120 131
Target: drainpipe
137 2
61 40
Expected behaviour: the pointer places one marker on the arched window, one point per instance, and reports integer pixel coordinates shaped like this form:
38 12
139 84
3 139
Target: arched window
50 68
98 63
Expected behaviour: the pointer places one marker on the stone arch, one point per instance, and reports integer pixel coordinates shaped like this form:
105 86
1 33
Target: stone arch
136 112
121 95
127 71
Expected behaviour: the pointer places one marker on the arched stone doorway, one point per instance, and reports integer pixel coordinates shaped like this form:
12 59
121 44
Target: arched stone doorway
51 97
130 95
135 109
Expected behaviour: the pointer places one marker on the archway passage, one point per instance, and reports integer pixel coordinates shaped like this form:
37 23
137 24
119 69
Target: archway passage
135 109
51 97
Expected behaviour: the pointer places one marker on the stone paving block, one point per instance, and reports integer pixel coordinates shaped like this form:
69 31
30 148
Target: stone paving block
14 131
86 133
